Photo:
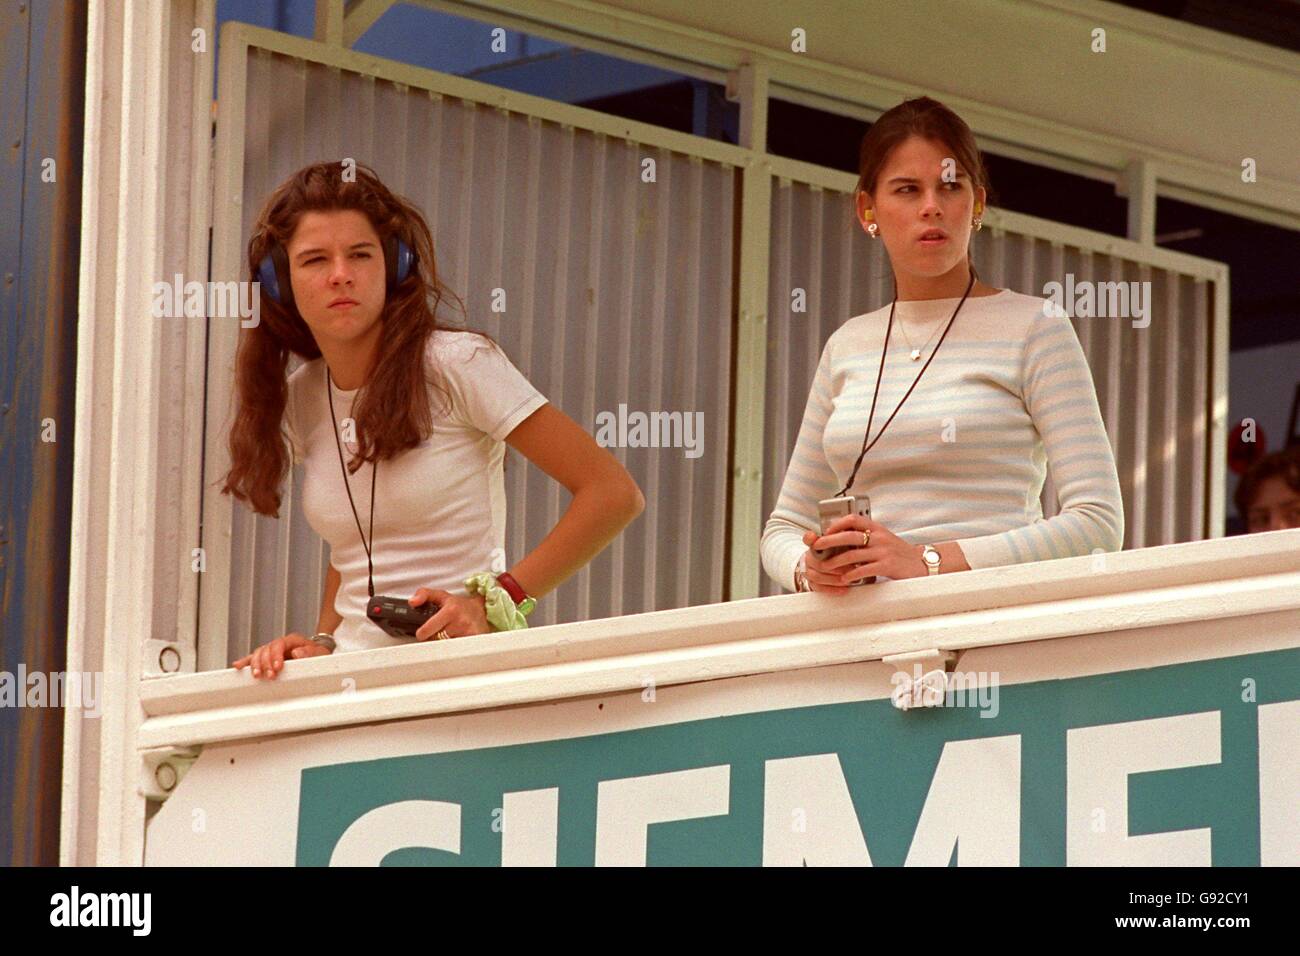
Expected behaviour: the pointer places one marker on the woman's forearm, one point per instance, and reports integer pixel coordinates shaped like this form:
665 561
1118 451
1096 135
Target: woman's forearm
329 618
952 558
593 519
780 549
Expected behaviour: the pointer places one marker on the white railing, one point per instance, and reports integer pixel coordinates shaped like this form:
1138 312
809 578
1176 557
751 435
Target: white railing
1220 580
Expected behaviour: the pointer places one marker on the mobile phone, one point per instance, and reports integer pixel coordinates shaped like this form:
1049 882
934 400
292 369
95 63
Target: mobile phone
396 616
829 510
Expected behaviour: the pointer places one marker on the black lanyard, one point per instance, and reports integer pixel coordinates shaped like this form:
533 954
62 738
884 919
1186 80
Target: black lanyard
374 468
879 375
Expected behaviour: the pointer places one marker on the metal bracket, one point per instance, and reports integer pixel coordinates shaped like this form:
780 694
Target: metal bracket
164 658
163 769
920 678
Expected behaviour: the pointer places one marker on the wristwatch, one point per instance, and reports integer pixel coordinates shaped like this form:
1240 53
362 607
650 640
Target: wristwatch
932 558
324 639
800 577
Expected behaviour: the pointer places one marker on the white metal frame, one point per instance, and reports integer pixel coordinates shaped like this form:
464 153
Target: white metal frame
116 562
693 51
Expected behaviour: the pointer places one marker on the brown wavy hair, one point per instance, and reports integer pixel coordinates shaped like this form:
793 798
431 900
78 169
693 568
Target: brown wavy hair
929 119
1284 464
393 410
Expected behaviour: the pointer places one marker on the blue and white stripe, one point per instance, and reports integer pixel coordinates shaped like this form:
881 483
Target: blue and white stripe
1008 396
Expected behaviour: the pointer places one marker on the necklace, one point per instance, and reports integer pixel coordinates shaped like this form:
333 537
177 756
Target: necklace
915 353
374 467
866 447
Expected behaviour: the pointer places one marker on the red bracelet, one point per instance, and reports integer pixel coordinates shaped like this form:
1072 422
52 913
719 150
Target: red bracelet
517 594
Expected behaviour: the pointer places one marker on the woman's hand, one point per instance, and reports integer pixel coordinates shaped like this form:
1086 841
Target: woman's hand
458 616
887 555
819 577
268 660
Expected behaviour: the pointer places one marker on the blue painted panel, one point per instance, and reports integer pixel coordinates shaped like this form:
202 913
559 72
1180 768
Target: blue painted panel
42 56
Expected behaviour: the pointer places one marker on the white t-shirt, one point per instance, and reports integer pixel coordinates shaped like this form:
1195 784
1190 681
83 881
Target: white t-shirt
440 507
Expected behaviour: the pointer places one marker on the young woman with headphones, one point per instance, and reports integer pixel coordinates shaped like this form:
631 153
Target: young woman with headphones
421 413
974 390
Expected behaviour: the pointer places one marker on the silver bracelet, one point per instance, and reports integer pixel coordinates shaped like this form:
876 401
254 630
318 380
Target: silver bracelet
325 640
801 576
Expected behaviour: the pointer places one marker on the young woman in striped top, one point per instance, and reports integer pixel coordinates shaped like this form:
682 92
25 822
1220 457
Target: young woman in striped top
993 385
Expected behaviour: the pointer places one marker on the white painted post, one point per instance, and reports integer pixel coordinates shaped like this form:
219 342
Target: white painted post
749 86
116 563
1139 185
360 16
329 22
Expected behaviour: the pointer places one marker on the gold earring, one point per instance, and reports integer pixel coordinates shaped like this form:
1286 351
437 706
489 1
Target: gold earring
870 225
978 223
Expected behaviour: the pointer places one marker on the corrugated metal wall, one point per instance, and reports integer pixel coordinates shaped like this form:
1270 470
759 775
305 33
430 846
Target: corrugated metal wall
42 99
617 291
1152 383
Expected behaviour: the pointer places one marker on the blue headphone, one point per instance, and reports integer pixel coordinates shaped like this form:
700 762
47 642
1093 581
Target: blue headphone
273 273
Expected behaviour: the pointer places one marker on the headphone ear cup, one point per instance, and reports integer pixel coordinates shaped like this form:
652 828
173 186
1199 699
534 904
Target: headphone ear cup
279 288
399 261
266 276
405 261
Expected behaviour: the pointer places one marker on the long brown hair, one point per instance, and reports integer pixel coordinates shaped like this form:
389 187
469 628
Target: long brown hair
929 119
393 410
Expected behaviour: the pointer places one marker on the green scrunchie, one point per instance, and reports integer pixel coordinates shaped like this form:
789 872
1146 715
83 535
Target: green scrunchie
502 613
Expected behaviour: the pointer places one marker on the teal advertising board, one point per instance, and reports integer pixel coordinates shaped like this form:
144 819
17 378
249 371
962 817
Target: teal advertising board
1187 762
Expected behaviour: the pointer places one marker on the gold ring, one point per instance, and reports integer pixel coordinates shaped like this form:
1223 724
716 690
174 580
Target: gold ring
441 635
866 539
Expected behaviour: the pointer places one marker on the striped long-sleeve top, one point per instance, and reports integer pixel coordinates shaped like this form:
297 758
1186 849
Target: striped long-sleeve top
1008 396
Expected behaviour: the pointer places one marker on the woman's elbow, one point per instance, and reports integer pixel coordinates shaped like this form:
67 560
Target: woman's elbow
1117 527
628 502
635 501
1110 530
611 486
1115 541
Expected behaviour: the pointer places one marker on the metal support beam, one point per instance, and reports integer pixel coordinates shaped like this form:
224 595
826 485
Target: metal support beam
359 17
115 508
686 37
1138 184
329 22
131 590
749 85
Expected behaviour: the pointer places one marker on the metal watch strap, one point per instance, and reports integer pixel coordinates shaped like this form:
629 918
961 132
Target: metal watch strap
325 640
